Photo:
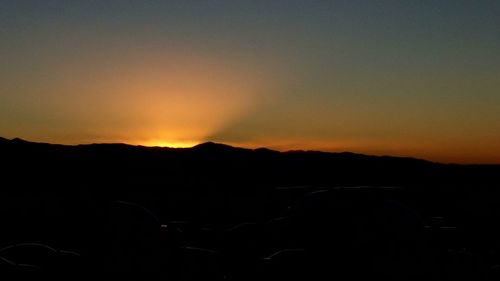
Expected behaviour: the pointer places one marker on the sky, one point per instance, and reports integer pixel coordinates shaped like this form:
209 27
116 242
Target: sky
405 78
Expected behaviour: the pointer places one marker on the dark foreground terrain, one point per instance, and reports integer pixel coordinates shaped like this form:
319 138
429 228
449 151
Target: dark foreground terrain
215 212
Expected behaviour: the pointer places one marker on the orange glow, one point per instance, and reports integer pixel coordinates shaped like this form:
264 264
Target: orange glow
160 98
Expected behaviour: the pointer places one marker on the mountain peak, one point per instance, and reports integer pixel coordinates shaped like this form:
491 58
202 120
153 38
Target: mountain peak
213 146
18 140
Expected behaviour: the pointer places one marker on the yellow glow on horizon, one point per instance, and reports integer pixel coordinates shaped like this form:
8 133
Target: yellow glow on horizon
171 144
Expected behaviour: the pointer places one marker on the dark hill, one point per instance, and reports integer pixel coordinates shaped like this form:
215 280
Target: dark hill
226 165
217 212
213 147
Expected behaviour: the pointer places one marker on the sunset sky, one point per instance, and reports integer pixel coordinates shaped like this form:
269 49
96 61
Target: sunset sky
407 78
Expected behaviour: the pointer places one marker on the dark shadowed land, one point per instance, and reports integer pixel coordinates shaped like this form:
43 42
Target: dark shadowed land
216 212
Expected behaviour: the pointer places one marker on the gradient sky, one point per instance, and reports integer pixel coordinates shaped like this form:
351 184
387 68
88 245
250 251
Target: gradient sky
412 78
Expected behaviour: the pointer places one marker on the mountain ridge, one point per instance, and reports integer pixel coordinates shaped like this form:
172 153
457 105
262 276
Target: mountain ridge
212 147
223 166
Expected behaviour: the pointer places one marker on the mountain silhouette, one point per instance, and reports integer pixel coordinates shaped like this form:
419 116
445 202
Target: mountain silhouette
220 212
212 145
224 163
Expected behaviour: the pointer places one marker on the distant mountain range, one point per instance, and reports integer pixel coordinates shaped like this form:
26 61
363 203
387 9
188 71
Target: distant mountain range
223 165
209 147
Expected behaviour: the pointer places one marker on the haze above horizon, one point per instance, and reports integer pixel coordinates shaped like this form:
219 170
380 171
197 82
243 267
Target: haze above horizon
418 79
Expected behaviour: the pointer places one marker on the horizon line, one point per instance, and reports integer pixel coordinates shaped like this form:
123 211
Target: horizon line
248 148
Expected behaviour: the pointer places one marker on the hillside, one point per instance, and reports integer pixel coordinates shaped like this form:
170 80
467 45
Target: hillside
225 213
